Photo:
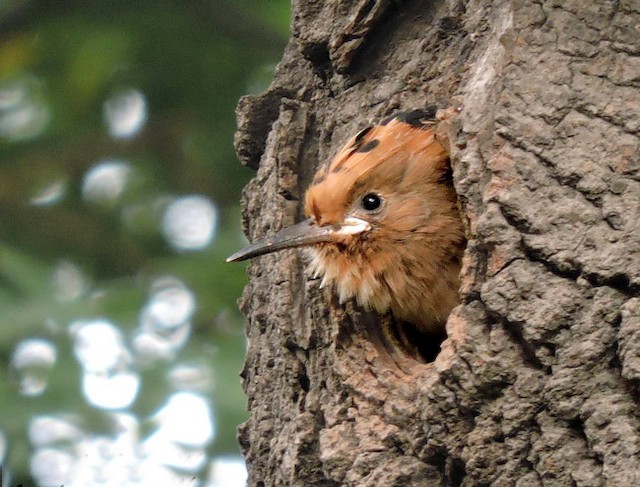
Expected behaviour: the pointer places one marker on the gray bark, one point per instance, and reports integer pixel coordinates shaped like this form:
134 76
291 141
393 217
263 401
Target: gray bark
538 382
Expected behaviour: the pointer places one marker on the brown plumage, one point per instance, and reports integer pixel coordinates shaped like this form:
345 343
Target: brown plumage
383 225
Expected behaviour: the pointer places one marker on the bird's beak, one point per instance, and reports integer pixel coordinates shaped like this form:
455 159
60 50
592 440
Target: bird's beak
307 232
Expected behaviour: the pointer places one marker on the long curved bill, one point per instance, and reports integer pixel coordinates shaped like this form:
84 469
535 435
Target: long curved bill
307 232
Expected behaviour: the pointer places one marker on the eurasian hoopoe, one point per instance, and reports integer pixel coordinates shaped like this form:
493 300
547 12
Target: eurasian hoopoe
383 224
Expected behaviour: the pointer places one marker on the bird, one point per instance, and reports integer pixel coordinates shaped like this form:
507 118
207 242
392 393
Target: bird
383 224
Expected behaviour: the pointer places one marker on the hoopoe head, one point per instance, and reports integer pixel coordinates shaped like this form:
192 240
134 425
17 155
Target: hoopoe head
383 224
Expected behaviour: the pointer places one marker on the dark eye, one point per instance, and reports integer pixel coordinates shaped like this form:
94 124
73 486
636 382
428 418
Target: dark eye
371 202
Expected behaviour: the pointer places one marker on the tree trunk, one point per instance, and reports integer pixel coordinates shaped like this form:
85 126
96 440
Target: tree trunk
538 381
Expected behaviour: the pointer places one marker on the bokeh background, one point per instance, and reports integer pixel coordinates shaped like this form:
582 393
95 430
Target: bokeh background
120 340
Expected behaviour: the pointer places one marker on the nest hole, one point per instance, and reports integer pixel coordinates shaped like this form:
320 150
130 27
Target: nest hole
401 342
422 347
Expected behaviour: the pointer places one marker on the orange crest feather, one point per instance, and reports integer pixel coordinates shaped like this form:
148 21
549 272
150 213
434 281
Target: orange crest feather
389 156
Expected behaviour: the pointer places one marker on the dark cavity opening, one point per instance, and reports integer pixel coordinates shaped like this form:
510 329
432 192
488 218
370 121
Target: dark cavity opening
422 347
401 343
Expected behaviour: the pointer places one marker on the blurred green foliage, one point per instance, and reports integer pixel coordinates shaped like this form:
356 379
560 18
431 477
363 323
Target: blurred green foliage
191 61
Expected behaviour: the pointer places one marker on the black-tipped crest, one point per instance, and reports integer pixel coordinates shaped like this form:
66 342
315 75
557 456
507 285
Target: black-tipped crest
369 146
416 118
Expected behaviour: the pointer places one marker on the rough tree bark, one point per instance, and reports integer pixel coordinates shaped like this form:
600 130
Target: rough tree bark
538 382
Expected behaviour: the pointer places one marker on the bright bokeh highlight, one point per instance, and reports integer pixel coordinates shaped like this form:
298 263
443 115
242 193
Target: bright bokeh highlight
190 222
125 113
32 361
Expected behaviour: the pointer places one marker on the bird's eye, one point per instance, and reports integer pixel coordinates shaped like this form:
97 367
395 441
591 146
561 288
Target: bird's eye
371 202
